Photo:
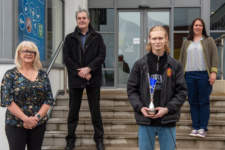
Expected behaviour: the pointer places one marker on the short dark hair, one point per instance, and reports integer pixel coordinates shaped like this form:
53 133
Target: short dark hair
83 10
191 32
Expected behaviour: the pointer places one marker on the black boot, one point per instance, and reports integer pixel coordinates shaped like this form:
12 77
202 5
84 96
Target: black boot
100 145
69 146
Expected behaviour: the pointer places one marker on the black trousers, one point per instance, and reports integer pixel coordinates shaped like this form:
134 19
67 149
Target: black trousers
75 95
19 137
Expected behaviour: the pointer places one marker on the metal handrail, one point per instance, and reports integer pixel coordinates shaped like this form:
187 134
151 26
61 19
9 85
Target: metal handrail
54 57
48 71
59 92
222 36
222 45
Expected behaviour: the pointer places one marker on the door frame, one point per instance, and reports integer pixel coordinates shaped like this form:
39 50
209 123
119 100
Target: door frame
143 35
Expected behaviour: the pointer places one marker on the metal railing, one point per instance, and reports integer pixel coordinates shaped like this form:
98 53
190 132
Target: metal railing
220 41
59 92
54 57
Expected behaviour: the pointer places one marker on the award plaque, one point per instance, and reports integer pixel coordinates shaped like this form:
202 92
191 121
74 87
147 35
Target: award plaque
152 83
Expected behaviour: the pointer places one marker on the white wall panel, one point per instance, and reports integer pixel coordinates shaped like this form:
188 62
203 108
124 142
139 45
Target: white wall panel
187 2
101 3
71 6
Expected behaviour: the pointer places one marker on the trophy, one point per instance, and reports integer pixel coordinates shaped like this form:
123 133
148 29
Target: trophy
152 83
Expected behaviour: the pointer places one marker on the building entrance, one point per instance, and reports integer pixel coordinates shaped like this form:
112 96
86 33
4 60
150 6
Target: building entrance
133 28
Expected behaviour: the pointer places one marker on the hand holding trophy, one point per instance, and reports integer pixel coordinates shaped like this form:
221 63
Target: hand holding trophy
152 83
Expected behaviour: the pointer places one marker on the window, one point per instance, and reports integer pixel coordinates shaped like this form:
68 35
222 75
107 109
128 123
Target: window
184 16
178 40
217 17
217 28
102 20
54 29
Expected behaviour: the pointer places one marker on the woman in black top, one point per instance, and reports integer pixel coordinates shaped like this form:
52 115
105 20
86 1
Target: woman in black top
26 92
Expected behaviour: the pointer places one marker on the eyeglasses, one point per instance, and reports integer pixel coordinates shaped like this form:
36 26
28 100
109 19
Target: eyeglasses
27 51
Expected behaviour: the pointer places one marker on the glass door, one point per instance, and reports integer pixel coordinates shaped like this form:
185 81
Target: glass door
133 30
129 44
155 18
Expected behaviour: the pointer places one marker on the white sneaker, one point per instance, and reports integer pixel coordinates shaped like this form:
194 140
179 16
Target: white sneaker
201 133
193 132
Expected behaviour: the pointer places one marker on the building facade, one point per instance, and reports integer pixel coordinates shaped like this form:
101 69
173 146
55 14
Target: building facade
124 25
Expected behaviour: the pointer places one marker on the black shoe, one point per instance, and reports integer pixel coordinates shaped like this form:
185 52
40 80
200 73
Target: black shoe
69 146
100 146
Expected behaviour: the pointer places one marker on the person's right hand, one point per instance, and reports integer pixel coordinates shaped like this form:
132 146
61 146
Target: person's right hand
88 76
144 111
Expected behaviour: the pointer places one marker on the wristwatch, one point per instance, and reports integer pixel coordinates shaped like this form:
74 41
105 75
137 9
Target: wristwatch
38 116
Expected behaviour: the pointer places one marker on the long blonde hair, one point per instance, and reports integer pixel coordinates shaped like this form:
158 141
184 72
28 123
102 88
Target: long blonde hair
166 46
32 47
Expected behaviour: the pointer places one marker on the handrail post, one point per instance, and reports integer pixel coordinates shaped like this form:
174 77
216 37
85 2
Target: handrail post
221 38
222 45
65 80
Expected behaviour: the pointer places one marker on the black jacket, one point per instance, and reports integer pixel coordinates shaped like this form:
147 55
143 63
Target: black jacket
92 56
173 93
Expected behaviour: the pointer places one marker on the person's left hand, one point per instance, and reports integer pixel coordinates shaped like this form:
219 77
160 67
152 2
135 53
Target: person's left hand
212 78
27 125
161 112
83 71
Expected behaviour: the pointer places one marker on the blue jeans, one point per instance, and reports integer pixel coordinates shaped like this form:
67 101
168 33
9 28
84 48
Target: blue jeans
199 90
166 136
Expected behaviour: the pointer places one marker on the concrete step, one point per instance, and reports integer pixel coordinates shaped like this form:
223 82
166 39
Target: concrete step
217 100
89 148
112 139
129 125
215 114
214 127
113 148
121 129
123 92
106 112
128 113
63 100
123 139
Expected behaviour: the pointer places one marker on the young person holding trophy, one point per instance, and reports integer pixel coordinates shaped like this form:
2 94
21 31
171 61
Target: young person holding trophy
157 81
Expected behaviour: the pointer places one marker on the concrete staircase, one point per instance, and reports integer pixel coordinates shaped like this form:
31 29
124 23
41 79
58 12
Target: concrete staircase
121 129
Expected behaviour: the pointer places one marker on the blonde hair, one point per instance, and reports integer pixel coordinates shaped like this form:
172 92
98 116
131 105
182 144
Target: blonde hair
32 47
166 46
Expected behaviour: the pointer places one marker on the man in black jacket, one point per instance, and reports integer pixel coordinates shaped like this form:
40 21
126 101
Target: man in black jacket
170 93
84 52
